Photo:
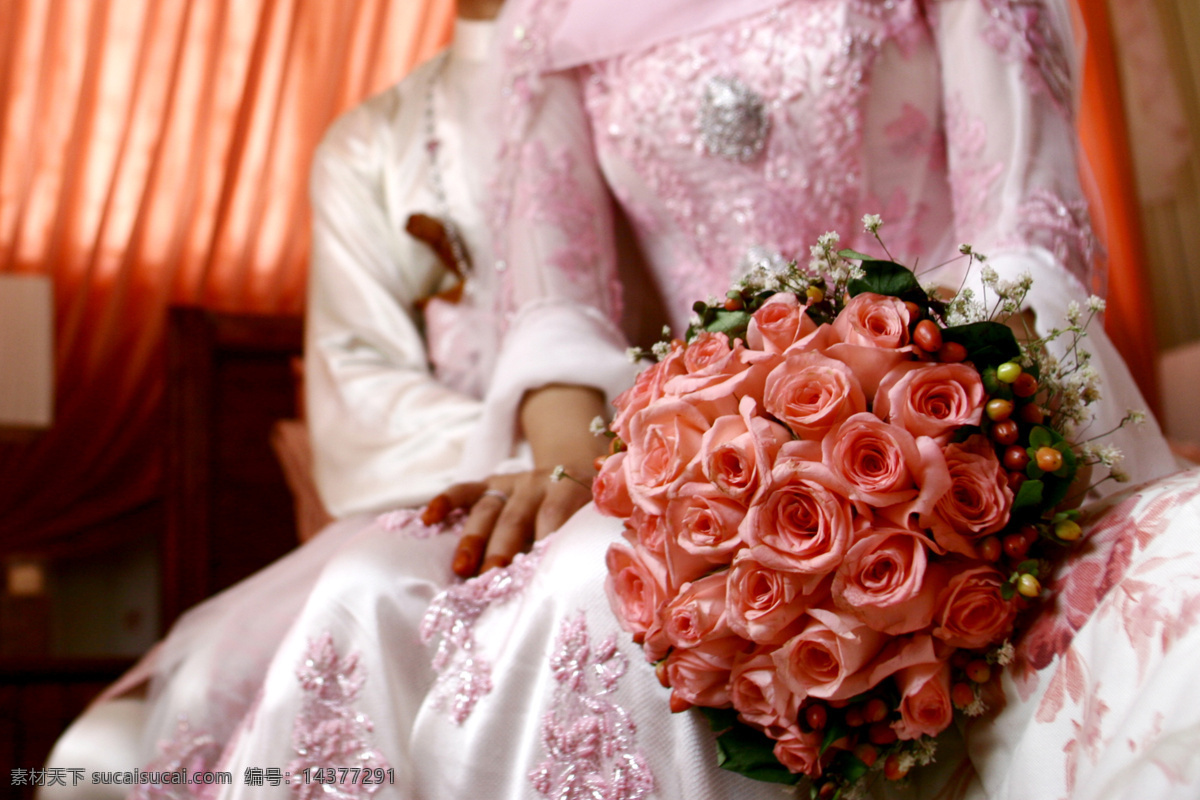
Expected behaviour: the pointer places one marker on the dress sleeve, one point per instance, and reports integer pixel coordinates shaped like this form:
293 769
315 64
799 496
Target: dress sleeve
385 432
553 232
1007 90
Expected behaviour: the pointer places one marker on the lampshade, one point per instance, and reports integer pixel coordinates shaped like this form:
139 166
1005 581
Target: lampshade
26 352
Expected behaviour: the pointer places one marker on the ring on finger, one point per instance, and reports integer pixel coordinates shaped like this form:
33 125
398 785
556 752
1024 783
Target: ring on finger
496 493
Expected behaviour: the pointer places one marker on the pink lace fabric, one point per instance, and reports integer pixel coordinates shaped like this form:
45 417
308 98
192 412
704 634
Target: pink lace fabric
188 751
590 741
408 522
464 676
1022 31
330 731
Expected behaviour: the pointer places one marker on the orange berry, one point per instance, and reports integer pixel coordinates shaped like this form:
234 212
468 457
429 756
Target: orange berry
999 410
867 754
1025 385
1049 459
892 769
978 671
989 549
962 694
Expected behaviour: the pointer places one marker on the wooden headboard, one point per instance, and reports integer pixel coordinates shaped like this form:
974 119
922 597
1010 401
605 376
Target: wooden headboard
229 509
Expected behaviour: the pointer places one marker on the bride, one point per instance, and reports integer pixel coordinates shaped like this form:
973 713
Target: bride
732 133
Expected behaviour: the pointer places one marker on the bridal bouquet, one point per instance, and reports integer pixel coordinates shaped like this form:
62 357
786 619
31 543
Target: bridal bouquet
839 495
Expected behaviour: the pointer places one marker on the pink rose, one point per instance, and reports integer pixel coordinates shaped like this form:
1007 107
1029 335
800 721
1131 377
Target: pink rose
711 353
697 613
837 657
979 500
636 586
646 389
663 440
705 522
820 659
648 530
737 452
759 695
811 393
800 752
803 524
873 320
699 675
609 490
887 581
872 338
972 613
762 603
925 705
885 466
932 400
778 324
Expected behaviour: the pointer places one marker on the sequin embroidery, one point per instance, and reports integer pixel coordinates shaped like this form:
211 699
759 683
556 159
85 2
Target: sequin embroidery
590 741
329 731
188 751
464 676
733 119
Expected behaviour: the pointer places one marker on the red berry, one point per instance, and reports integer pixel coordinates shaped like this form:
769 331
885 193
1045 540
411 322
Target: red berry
1031 413
678 704
952 353
999 409
1025 385
816 716
914 310
1015 480
928 336
881 733
989 549
1005 432
875 710
734 304
1049 459
978 671
1015 458
1015 546
1029 534
892 769
867 754
962 694
827 791
854 717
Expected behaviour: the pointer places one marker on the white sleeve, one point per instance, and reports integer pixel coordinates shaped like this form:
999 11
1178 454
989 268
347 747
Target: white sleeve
559 285
1007 88
385 432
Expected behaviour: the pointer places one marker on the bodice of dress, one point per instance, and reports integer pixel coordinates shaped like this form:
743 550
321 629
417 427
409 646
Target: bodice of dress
747 141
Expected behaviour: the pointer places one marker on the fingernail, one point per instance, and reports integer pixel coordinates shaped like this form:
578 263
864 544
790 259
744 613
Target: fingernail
437 510
466 556
492 562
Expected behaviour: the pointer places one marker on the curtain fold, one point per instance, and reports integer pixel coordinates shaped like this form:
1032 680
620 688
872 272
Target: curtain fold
156 152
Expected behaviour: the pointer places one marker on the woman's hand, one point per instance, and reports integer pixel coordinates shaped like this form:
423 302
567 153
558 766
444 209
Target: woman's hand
508 512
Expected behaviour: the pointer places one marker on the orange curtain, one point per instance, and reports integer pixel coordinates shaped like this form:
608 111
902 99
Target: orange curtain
1105 140
157 152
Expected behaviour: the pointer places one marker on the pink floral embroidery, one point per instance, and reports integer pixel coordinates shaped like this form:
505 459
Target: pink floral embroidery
187 750
1063 227
1023 32
329 732
971 178
554 197
591 751
463 675
408 521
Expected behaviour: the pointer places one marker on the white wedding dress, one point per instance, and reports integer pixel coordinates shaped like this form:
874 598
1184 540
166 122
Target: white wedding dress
949 118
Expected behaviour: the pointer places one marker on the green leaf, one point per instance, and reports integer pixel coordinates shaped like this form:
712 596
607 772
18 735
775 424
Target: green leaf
987 343
1029 496
837 729
1056 491
1040 437
1030 566
731 323
888 278
1007 590
1067 470
719 719
857 256
750 752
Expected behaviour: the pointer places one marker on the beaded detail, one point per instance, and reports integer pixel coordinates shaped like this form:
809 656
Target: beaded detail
187 751
590 742
733 119
464 676
329 731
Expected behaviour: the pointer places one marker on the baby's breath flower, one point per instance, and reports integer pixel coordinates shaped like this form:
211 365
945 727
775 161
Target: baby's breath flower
636 354
694 320
1119 475
828 240
666 332
872 223
661 350
989 276
965 249
598 426
1136 416
1074 313
1005 653
976 708
559 473
924 750
1096 304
